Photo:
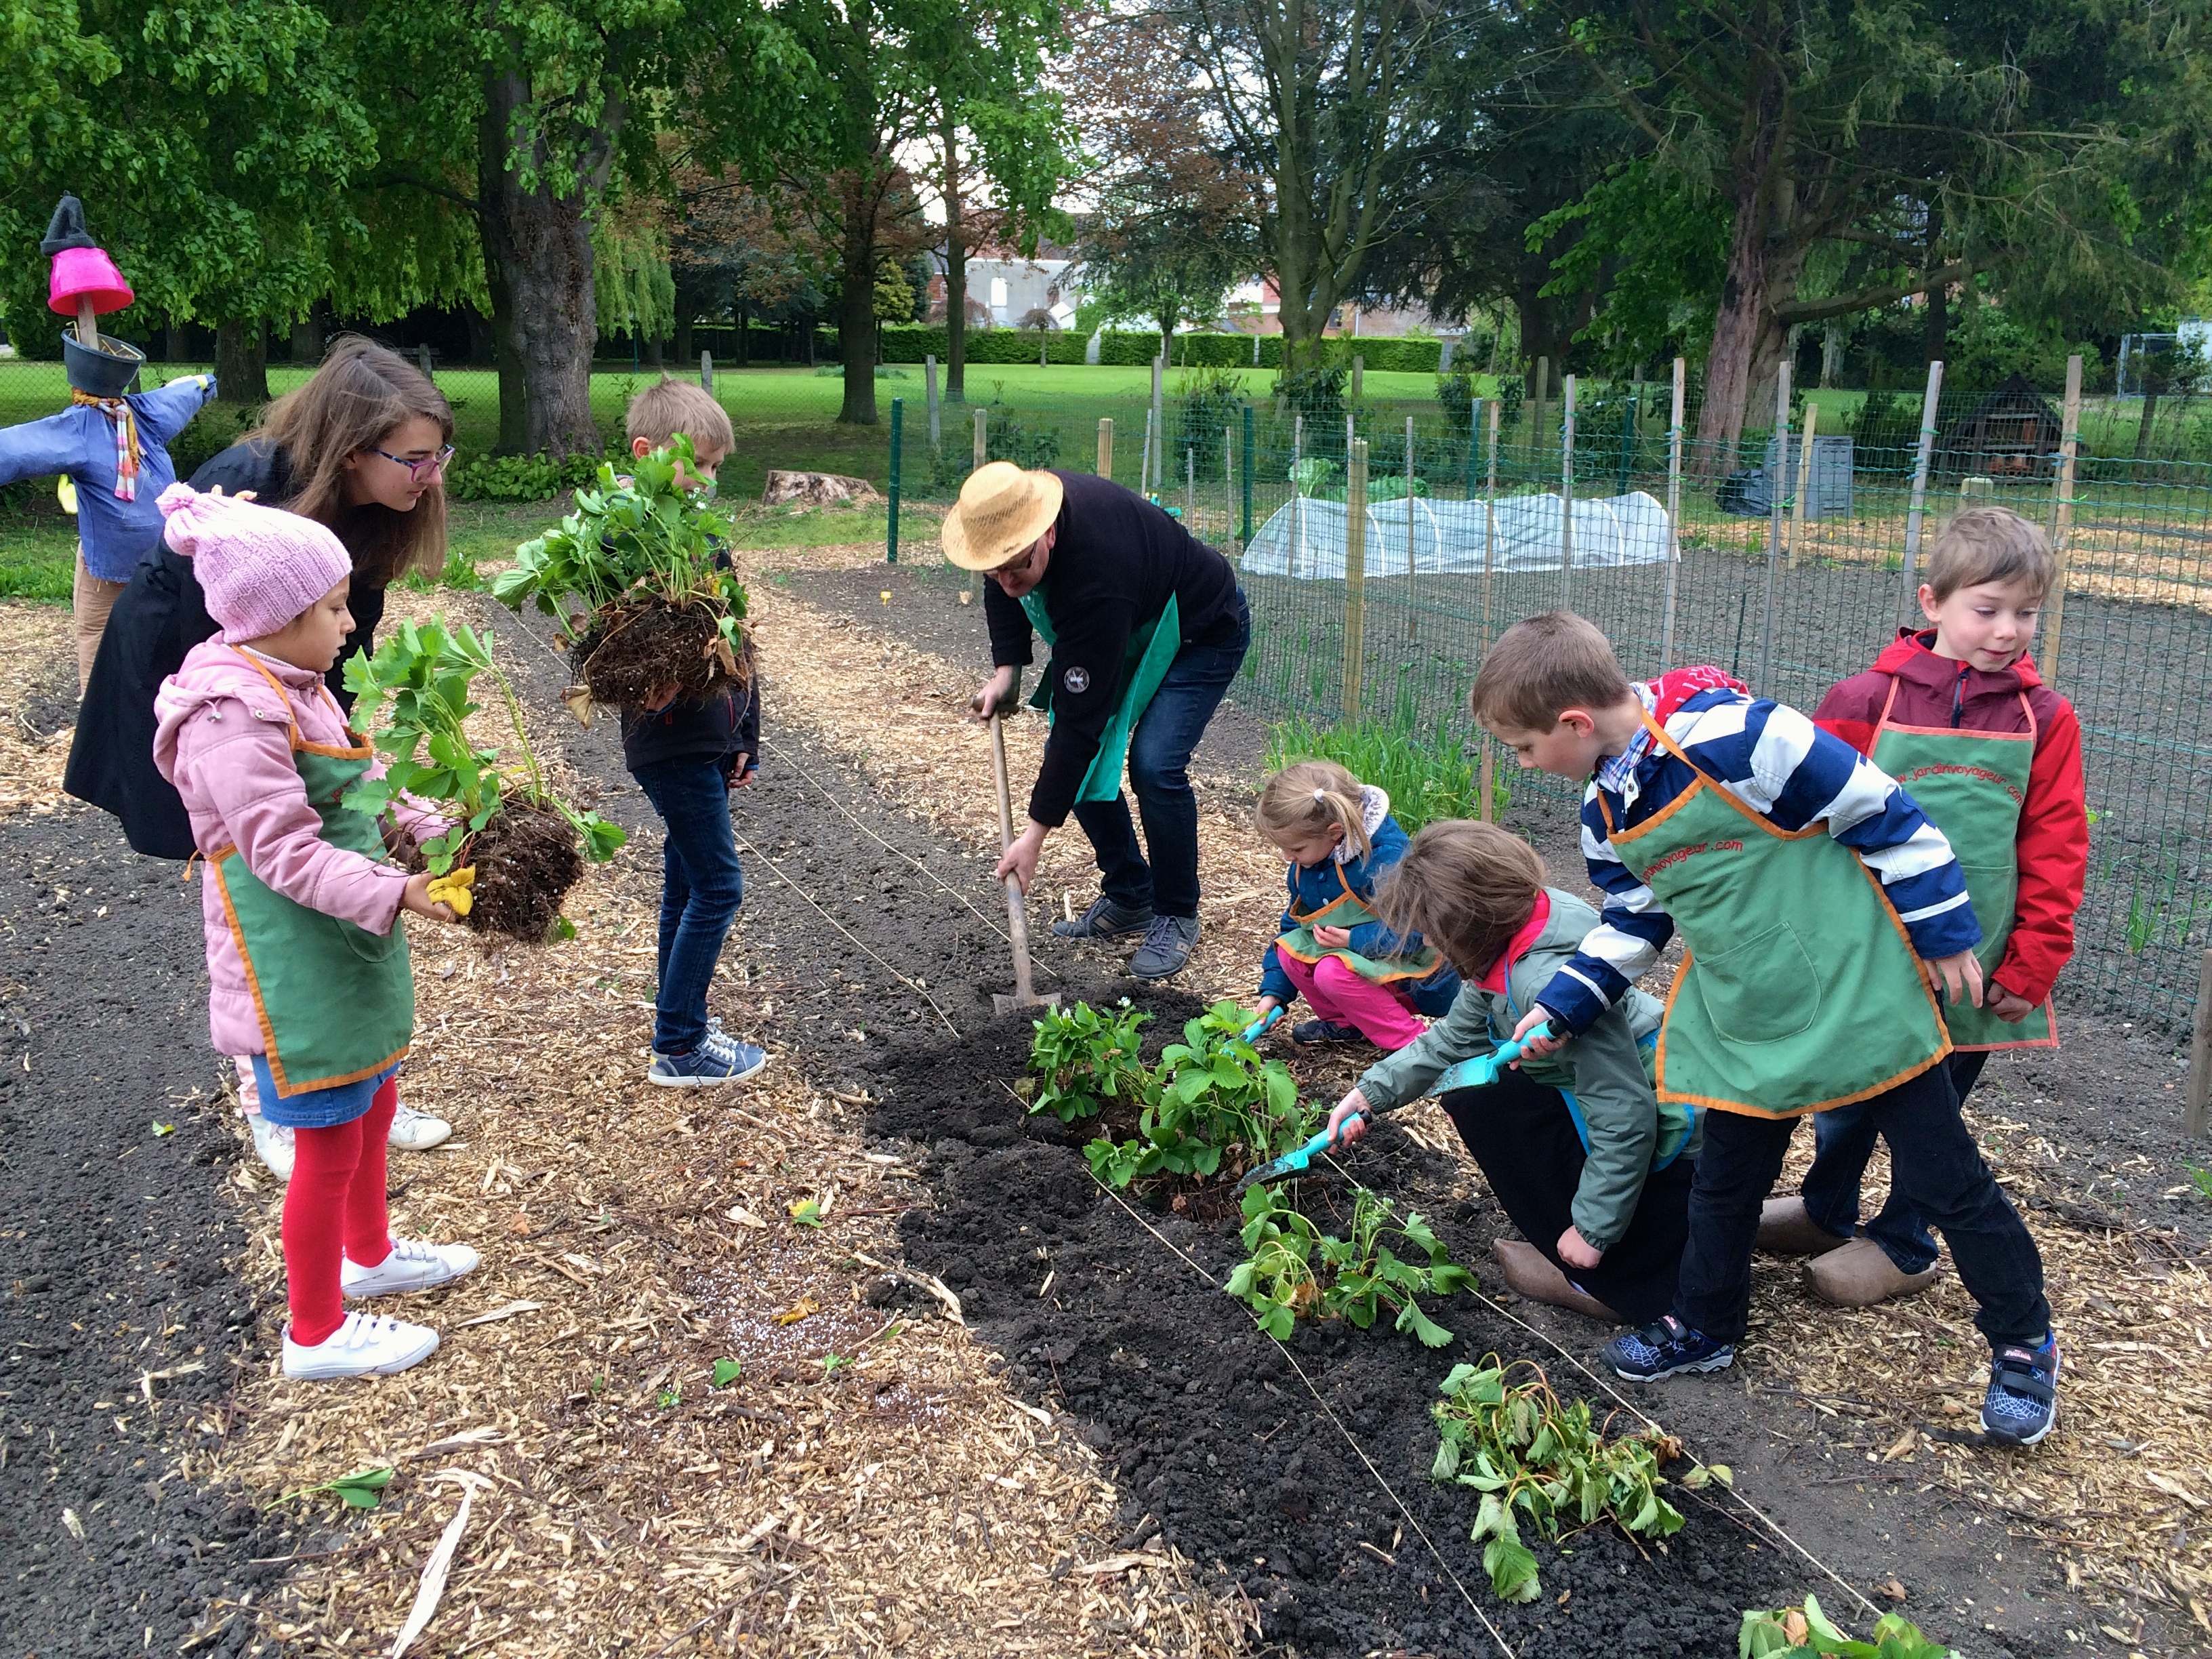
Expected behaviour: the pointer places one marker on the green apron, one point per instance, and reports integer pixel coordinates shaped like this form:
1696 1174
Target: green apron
1346 910
336 1002
1972 786
1152 648
1811 996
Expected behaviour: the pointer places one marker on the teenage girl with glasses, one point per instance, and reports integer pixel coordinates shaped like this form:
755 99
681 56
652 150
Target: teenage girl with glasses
360 448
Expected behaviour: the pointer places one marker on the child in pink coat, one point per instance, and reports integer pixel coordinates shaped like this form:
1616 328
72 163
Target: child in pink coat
307 965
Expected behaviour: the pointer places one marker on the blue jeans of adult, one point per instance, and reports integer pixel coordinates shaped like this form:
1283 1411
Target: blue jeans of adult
1842 1141
700 889
1942 1175
1159 773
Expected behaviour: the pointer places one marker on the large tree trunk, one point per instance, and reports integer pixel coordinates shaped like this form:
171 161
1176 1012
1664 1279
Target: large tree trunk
541 247
1746 334
856 309
955 273
241 361
685 355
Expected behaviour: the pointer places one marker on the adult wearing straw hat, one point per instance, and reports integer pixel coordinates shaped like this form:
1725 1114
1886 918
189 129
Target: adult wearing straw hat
1146 628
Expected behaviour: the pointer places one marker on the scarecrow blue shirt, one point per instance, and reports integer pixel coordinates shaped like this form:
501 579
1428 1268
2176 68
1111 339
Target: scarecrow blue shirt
81 441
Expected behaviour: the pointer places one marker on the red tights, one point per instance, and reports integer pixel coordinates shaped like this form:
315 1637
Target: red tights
335 1206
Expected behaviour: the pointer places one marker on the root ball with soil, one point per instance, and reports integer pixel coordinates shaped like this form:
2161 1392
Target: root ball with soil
630 654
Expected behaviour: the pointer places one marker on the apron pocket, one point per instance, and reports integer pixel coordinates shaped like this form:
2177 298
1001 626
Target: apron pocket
1992 888
368 947
1763 990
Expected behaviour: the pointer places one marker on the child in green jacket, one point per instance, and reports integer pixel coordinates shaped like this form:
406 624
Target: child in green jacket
1591 1168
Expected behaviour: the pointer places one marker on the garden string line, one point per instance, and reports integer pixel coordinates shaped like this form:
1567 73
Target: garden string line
1389 1490
909 984
1644 1417
785 761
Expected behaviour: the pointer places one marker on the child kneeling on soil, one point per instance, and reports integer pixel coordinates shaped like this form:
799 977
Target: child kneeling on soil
1957 712
1361 978
688 757
307 965
1592 1169
1810 890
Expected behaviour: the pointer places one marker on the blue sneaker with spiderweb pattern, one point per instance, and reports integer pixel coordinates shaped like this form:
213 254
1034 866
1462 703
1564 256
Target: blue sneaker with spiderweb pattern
1667 1349
2023 1403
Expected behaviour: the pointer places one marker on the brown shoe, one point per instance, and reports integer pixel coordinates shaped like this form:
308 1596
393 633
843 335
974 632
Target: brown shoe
1861 1274
1784 1229
1534 1275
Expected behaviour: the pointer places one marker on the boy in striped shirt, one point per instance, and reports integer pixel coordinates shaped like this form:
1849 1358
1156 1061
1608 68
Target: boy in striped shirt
1822 914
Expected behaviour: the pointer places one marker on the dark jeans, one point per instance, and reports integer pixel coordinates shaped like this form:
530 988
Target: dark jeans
1940 1171
1842 1141
1159 773
700 889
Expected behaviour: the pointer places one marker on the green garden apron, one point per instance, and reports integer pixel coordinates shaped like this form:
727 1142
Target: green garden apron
1346 910
1972 785
1810 994
336 1002
1152 649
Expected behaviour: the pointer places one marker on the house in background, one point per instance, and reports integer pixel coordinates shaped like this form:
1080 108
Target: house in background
1004 288
1257 308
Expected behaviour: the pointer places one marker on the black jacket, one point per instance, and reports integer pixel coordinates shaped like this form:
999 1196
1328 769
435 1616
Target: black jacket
1115 563
160 616
724 729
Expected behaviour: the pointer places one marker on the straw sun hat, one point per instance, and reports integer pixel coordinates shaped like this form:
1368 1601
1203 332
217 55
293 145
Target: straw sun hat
1002 509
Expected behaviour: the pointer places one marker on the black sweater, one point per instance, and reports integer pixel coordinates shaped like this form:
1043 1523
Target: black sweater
1115 563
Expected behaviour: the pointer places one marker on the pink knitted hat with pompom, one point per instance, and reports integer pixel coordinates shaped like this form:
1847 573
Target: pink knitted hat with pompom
258 566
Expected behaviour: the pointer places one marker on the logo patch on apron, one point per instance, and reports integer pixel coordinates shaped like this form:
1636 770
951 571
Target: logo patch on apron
1077 680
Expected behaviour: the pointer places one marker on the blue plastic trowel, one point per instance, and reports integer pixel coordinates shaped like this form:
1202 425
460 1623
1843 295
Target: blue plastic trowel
1478 1070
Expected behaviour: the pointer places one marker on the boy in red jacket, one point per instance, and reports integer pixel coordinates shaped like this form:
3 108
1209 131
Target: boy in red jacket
1959 716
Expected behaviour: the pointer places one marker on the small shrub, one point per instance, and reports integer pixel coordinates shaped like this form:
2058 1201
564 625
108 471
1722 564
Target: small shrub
519 477
1212 404
1082 1059
1212 1101
1292 1270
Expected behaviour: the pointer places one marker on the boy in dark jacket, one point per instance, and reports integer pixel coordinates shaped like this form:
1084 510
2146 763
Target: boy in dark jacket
687 757
1957 714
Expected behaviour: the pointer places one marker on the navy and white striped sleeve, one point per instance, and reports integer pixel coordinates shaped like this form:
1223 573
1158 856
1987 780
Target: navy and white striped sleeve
1632 930
1777 763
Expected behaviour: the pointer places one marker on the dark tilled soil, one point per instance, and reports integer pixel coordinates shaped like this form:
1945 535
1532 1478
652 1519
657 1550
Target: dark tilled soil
116 1265
526 860
629 655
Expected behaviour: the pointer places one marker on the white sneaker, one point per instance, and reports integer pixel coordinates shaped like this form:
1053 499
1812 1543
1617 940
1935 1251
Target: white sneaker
413 1265
418 1132
367 1345
274 1143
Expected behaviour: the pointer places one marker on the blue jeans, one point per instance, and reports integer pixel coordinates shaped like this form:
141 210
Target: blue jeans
700 889
1842 1141
1159 773
1940 1171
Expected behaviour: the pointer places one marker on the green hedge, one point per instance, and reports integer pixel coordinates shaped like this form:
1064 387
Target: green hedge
911 342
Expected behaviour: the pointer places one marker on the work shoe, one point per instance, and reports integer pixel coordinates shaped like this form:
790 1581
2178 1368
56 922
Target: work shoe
1860 1274
1667 1349
1320 1033
1104 919
2022 1404
1167 947
1784 1229
418 1132
1536 1276
717 1059
367 1345
273 1141
413 1265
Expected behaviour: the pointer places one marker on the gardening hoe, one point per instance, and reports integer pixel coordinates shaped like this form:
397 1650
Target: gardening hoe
1017 919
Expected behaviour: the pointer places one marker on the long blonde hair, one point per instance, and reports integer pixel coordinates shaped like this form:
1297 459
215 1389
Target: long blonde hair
1468 887
1305 799
360 393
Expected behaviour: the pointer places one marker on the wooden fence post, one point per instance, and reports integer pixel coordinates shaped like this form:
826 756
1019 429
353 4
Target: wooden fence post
1765 686
1804 482
1487 810
929 391
707 372
1567 492
1355 575
1913 512
2200 1055
1673 516
2062 521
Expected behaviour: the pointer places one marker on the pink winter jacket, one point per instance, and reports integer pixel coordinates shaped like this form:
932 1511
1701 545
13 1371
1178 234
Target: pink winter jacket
224 738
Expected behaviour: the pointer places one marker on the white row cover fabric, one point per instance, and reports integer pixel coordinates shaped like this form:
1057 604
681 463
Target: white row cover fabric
1304 539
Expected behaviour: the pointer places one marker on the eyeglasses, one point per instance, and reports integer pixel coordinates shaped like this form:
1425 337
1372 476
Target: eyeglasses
418 470
1018 566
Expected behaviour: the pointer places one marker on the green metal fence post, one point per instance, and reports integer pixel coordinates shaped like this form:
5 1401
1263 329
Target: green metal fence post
891 537
1247 538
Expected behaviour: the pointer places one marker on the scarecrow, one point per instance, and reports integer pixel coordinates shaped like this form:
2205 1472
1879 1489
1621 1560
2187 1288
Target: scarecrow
110 446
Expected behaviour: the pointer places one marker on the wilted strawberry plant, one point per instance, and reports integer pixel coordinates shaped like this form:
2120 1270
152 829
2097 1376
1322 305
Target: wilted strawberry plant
1083 1058
1532 1458
1276 1280
1211 1096
1293 1270
1806 1633
512 851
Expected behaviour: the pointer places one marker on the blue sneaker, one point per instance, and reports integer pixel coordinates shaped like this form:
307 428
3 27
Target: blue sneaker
1667 1349
717 1059
2023 1403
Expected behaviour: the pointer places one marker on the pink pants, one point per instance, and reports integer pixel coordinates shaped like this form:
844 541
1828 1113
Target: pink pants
1381 1014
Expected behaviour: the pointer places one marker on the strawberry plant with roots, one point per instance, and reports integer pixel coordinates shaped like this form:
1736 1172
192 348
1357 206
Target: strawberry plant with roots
1537 1461
1083 1058
1805 1633
1212 1102
644 555
1292 1270
519 840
